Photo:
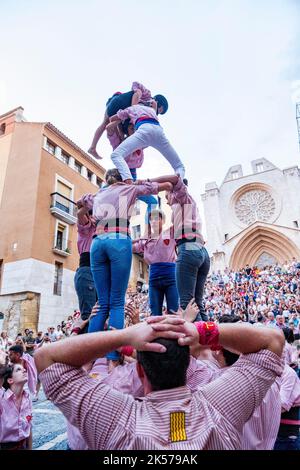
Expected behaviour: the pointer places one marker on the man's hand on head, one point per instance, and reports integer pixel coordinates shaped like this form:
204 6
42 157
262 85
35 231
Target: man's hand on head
189 336
141 336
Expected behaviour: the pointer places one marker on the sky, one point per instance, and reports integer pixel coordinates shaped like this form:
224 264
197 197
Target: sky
229 68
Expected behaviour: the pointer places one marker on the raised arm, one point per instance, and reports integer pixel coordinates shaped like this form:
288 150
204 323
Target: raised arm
87 201
239 338
141 93
173 179
243 386
112 127
138 245
165 186
136 97
82 349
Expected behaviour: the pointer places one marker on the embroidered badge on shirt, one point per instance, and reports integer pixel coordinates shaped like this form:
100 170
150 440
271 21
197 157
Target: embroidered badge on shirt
94 375
177 426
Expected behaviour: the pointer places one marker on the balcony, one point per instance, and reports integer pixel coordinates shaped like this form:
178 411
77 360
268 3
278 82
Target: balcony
63 208
62 246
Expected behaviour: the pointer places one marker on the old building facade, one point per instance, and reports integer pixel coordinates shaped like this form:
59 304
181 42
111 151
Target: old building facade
253 219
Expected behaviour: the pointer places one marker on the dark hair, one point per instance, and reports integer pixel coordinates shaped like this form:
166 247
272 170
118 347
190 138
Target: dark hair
17 348
125 125
161 102
7 374
2 370
229 319
288 334
230 357
166 370
112 176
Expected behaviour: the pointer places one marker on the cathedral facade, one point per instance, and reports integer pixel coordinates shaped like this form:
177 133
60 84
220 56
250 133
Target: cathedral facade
253 219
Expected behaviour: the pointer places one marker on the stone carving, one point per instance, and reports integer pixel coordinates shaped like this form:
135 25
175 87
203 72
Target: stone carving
255 205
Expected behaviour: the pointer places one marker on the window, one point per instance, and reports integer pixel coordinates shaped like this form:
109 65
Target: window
65 158
99 182
259 167
62 202
234 175
89 175
137 208
296 225
77 166
226 236
2 129
61 237
141 269
136 232
58 278
50 147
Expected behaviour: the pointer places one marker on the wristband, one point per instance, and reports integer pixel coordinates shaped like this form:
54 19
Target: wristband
127 350
208 334
76 330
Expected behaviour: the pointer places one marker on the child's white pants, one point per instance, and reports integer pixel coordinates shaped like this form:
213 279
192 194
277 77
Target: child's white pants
147 135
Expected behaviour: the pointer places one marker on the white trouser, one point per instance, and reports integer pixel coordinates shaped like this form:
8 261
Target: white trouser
147 135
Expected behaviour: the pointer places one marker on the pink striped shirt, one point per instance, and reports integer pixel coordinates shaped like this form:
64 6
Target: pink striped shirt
290 353
136 112
29 365
146 94
75 439
15 424
85 236
135 159
212 417
117 200
123 378
157 250
260 431
185 212
289 388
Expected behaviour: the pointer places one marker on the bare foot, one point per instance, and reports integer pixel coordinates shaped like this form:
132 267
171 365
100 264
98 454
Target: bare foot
93 152
112 364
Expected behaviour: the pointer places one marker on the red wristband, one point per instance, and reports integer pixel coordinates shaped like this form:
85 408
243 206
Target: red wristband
76 330
208 334
127 350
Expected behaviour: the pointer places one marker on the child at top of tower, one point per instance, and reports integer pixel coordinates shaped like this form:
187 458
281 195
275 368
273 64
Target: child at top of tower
148 133
138 94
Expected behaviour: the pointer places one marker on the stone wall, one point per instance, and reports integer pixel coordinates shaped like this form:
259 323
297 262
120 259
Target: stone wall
21 310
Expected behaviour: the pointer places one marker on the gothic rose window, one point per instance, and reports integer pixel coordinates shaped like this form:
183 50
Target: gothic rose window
255 205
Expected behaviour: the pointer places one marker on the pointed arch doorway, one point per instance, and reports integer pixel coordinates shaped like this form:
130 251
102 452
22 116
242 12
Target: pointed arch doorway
262 242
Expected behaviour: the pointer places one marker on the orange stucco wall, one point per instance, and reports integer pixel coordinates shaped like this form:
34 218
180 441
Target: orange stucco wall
29 180
20 192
